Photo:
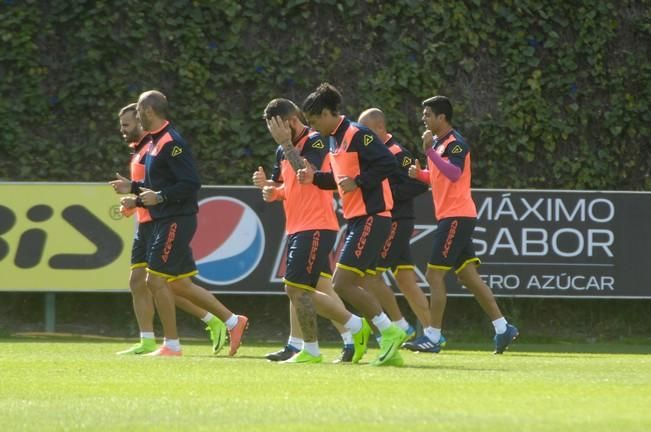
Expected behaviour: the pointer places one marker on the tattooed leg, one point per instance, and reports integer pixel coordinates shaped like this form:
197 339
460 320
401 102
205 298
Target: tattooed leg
305 313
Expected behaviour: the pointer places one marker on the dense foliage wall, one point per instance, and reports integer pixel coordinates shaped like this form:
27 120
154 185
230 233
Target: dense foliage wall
550 94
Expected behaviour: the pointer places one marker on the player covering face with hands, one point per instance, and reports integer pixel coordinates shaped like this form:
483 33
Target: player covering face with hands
311 227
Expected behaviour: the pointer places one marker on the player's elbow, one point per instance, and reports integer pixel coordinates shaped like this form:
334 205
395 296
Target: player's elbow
455 174
192 184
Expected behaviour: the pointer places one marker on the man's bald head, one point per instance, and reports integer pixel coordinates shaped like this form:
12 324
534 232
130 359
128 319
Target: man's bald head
373 118
152 110
156 101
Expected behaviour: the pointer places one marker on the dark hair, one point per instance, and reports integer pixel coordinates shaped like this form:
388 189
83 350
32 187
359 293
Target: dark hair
326 96
280 107
156 100
129 108
439 105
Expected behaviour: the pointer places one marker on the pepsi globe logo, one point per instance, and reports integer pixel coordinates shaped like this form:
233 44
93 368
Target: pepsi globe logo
229 241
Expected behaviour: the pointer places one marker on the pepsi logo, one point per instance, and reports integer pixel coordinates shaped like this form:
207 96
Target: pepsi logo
229 242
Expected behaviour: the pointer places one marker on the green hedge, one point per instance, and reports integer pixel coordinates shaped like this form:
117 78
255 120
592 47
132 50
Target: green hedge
550 94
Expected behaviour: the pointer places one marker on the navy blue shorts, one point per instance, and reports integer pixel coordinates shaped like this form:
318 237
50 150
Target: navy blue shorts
396 252
453 247
169 254
308 257
141 245
365 237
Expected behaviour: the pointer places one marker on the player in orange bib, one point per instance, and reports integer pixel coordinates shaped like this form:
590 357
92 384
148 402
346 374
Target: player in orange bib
311 227
449 173
361 165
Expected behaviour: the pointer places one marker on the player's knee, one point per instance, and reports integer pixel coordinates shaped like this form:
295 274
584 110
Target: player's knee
137 281
405 276
469 276
290 291
176 286
338 287
435 276
342 279
155 283
325 285
137 285
462 279
295 292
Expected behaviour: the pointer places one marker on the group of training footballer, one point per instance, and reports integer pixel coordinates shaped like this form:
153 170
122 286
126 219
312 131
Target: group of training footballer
377 180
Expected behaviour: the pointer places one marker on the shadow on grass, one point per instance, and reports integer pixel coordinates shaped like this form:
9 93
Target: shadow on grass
522 349
450 368
518 349
79 338
224 357
407 365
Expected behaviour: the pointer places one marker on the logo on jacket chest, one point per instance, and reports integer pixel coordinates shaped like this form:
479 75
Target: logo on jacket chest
176 151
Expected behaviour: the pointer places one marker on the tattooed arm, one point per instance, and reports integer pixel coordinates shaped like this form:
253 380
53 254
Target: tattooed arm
292 156
282 133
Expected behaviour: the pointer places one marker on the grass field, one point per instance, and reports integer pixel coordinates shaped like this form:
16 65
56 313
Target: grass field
79 384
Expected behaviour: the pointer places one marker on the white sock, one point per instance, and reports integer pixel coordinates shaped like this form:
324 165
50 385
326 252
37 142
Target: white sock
295 342
312 348
208 317
433 334
402 323
381 321
347 337
500 325
147 335
354 324
173 344
231 322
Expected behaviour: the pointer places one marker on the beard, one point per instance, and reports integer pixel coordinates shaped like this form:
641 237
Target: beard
132 137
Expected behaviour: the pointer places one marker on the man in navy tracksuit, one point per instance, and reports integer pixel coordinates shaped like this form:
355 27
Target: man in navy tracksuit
395 255
169 191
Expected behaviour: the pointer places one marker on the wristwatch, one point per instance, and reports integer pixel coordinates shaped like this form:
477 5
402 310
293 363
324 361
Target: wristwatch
160 198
